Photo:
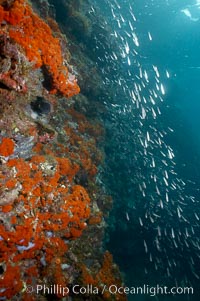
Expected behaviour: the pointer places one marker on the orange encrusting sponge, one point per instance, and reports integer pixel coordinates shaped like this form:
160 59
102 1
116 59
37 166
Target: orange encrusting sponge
41 47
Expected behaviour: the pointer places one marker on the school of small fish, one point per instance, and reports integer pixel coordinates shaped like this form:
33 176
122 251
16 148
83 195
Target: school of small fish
170 218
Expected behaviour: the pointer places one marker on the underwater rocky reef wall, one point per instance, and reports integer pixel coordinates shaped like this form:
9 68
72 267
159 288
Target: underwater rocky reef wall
52 209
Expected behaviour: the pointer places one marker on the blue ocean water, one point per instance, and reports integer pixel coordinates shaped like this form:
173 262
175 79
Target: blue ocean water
152 137
153 142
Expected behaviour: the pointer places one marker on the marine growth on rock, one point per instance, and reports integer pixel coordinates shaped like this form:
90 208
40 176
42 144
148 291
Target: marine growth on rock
51 206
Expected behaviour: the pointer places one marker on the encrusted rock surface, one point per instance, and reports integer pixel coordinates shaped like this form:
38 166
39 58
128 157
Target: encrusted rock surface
52 207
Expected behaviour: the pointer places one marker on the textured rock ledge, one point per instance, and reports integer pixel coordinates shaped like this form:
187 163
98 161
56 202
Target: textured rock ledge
52 208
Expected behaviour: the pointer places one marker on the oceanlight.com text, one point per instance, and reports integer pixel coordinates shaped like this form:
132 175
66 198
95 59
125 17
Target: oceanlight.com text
151 290
112 290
